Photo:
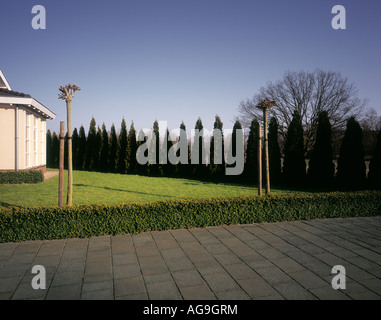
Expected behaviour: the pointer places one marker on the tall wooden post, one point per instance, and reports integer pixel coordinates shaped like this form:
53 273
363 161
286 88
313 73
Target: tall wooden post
265 104
259 160
70 156
67 93
61 164
265 114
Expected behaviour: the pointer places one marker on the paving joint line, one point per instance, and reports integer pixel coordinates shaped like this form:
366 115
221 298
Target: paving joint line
326 263
24 274
273 265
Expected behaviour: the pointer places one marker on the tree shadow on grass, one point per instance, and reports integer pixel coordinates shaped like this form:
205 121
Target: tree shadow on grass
128 191
8 205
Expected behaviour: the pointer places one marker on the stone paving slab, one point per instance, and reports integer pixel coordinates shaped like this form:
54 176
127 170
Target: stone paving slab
270 261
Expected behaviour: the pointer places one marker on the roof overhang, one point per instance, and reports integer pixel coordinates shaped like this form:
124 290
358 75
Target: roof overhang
30 103
3 82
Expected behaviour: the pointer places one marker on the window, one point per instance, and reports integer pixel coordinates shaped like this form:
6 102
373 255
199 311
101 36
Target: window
42 142
27 140
35 140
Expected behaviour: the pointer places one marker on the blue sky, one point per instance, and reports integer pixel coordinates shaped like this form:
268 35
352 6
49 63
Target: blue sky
179 60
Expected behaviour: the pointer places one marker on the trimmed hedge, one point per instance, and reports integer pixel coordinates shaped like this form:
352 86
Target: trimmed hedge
18 224
17 177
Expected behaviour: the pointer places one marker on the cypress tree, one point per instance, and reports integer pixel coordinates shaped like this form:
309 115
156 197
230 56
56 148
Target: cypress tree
251 164
351 170
233 149
90 145
154 151
217 159
104 150
198 151
132 147
168 167
374 175
55 150
142 138
49 149
183 169
321 167
81 150
294 167
113 149
74 138
97 150
122 149
274 152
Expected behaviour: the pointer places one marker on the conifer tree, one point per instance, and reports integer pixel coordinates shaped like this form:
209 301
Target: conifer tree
142 139
168 167
294 166
122 149
131 150
104 151
97 150
251 164
374 175
321 168
351 170
274 152
183 168
233 148
90 145
198 151
75 141
81 150
154 151
55 150
113 149
217 150
49 149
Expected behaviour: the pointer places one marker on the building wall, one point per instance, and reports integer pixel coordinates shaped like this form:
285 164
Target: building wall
31 139
7 137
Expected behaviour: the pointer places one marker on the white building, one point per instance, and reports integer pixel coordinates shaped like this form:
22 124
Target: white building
22 130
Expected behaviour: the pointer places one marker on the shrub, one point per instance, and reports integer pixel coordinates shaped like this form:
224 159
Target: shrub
374 176
321 167
294 165
351 170
18 224
17 177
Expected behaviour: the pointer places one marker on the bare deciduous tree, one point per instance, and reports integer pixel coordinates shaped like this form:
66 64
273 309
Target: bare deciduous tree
309 93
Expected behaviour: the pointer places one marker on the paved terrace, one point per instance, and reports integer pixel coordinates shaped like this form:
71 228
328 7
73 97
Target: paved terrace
286 260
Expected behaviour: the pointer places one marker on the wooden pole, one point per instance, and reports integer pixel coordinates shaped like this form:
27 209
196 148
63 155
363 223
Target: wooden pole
265 113
259 160
61 164
70 156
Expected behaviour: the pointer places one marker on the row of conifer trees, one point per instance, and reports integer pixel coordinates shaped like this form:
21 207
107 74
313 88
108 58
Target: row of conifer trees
105 151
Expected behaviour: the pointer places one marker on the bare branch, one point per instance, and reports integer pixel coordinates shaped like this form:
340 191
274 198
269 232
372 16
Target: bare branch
309 93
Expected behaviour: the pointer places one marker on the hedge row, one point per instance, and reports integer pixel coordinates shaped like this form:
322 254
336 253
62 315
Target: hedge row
18 224
16 177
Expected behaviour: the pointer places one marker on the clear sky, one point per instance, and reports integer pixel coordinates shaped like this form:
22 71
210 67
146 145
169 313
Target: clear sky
177 60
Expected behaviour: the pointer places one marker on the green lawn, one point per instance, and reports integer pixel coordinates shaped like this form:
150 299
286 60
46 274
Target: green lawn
108 188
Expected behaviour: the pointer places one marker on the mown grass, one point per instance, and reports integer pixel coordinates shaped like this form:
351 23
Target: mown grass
109 188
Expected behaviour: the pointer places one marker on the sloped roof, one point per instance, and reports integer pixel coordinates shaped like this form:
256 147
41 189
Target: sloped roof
8 96
3 82
11 93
